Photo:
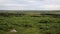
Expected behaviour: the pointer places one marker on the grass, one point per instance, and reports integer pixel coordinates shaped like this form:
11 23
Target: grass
29 25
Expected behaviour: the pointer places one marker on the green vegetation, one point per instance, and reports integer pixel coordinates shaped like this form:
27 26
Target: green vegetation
29 23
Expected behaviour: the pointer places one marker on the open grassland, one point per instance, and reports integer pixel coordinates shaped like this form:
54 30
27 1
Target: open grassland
30 22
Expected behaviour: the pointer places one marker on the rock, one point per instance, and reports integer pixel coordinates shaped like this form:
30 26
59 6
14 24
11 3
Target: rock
13 30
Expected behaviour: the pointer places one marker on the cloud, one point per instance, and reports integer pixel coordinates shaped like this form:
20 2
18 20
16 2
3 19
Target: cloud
51 7
29 4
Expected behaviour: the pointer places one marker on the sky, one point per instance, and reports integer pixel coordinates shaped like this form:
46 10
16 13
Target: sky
29 4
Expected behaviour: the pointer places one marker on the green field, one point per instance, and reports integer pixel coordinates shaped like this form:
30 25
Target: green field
30 22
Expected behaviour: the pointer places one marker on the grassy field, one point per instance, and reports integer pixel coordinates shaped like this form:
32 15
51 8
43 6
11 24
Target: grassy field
30 22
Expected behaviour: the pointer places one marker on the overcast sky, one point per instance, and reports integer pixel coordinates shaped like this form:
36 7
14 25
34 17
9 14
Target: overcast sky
29 4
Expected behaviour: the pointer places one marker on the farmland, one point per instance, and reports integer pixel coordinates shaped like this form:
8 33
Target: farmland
30 22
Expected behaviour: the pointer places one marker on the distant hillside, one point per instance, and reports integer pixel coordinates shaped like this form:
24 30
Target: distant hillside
31 11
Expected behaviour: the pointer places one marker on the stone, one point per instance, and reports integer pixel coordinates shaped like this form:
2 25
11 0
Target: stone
13 30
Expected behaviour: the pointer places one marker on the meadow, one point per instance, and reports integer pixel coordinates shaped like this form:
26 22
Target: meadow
30 22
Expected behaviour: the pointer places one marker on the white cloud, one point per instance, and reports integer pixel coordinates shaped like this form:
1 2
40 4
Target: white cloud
29 4
51 7
12 5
